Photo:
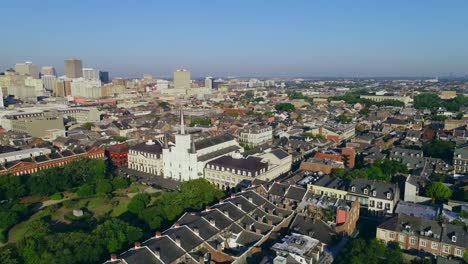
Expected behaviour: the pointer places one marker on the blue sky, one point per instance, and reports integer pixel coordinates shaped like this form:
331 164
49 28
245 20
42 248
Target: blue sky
240 37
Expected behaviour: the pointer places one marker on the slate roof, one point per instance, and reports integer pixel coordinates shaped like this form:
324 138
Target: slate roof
140 255
314 228
250 164
211 141
194 221
295 193
413 225
155 148
188 240
381 188
455 230
418 210
279 153
169 251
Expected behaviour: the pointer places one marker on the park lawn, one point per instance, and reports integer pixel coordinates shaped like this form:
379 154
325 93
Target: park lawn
121 208
20 230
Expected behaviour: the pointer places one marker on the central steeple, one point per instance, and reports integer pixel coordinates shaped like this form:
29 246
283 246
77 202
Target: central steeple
182 124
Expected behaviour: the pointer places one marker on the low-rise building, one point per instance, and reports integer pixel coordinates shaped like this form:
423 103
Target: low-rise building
420 235
460 160
146 157
256 135
378 197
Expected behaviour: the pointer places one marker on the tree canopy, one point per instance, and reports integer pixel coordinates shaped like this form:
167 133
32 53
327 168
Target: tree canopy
287 107
439 149
373 252
382 170
438 191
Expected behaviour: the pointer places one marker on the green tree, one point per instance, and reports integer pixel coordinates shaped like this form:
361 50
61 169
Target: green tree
163 104
103 186
439 149
8 218
12 187
87 126
287 107
438 191
119 183
85 190
200 122
427 100
116 235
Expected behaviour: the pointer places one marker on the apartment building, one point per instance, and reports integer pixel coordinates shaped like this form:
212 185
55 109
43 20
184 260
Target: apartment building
256 135
420 235
378 197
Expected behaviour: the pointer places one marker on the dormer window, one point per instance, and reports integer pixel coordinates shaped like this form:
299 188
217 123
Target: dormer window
353 189
389 195
374 193
366 191
454 239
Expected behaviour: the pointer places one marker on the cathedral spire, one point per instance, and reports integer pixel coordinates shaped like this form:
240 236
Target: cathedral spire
182 124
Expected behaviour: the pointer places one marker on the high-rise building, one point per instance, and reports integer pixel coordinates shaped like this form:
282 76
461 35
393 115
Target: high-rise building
209 82
58 89
104 76
182 79
90 74
28 69
48 70
48 81
73 68
86 88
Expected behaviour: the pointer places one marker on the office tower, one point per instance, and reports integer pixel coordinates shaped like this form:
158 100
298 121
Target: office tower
58 89
209 82
28 69
73 68
48 81
90 74
48 70
182 79
104 76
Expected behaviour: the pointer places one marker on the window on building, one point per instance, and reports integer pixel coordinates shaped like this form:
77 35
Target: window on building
458 252
353 189
446 249
392 235
374 193
412 240
366 191
422 243
434 245
454 239
388 195
379 205
383 234
371 203
387 206
401 238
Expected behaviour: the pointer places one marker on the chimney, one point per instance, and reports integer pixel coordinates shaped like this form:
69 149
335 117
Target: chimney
221 201
207 208
177 241
219 247
137 245
226 213
157 234
251 199
233 196
239 205
243 190
201 259
196 231
212 222
270 222
258 231
157 252
177 224
113 257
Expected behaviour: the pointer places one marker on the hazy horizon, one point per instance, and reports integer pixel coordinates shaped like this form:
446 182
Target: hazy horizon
241 38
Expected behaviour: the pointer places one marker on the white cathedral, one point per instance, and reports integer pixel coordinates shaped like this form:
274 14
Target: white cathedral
186 159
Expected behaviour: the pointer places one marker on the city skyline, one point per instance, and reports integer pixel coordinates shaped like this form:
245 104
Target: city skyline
241 38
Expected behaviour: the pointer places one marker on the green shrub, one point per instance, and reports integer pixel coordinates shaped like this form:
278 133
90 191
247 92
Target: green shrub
134 189
56 196
70 204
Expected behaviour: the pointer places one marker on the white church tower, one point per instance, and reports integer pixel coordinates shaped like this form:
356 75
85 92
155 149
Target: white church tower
180 161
